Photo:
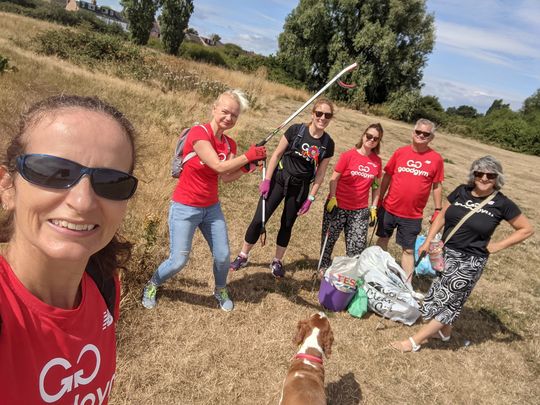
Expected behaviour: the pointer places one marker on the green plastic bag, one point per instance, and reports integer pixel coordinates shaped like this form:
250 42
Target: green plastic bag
358 306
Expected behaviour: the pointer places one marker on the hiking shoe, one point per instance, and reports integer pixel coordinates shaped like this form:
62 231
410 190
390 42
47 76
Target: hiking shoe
277 268
222 297
238 263
149 295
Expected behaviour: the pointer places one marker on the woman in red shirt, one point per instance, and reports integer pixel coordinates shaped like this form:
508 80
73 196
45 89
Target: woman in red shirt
65 179
195 201
354 176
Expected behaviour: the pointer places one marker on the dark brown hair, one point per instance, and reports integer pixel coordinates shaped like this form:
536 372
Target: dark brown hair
378 127
117 252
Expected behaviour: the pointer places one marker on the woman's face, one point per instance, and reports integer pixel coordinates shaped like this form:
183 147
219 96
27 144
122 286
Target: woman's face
482 183
70 224
225 112
371 138
321 122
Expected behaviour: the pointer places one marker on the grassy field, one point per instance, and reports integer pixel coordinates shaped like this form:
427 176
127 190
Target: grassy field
187 351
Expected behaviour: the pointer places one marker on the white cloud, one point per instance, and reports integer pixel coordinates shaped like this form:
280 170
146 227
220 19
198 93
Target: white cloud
454 93
483 40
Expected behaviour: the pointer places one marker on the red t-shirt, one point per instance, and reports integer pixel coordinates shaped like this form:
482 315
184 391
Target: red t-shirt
198 184
357 174
413 175
52 355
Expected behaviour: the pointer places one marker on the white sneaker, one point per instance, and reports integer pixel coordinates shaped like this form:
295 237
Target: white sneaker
222 297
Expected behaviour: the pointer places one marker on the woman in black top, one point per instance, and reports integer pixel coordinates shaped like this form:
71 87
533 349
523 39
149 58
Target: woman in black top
300 158
466 253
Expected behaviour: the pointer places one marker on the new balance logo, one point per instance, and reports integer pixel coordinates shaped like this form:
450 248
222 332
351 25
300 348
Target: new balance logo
107 319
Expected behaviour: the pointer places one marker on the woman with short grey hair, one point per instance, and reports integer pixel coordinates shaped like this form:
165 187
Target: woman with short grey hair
467 251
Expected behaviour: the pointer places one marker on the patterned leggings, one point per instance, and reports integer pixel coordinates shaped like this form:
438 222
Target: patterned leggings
450 290
355 223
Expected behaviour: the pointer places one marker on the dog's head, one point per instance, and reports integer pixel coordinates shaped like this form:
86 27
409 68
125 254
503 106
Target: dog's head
319 322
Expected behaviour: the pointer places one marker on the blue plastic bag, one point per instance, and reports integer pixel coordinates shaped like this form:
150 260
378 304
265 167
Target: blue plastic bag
424 267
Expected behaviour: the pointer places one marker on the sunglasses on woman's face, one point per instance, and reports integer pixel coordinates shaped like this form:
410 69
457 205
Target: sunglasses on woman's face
490 176
319 114
373 138
55 172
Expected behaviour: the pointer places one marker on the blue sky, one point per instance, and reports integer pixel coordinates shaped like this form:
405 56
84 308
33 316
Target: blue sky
485 49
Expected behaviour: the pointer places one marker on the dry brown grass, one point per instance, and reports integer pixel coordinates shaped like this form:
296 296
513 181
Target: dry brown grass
187 351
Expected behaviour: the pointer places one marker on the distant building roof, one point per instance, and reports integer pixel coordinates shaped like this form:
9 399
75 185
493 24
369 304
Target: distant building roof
106 14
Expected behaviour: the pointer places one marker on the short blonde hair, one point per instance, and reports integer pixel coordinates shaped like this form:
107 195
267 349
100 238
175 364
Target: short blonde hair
237 95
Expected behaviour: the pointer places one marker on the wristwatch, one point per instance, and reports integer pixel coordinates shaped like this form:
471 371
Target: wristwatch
311 198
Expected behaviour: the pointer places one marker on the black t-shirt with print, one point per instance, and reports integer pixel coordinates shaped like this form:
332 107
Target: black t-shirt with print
474 235
300 162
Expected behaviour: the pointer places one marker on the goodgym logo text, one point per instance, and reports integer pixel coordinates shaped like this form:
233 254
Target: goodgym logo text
413 167
76 378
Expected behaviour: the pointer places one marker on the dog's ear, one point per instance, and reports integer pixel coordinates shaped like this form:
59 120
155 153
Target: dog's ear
327 339
301 330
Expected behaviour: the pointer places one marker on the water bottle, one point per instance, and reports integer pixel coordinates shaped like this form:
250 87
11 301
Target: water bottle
436 253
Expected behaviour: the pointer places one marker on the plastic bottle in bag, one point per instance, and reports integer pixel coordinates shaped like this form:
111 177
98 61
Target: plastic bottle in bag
436 253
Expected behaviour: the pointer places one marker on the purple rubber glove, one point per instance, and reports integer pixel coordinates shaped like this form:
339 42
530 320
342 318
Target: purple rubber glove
304 208
264 188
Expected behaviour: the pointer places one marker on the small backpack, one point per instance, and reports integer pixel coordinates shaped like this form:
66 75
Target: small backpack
178 160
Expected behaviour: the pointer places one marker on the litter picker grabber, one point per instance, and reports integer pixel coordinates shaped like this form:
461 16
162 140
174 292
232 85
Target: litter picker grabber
293 116
327 234
263 229
302 108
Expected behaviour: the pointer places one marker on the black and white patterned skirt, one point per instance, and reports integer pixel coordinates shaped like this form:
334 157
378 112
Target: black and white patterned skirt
450 290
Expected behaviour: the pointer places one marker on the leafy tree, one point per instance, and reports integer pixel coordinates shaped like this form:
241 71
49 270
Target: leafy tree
215 38
390 40
532 103
497 105
140 15
192 31
174 20
465 111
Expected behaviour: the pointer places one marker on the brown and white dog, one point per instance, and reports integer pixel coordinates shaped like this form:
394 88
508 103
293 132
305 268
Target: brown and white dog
304 384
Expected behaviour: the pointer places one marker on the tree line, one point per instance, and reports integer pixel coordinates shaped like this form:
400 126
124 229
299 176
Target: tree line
391 41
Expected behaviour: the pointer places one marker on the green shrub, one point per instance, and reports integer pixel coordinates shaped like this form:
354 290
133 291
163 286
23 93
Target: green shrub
201 53
403 105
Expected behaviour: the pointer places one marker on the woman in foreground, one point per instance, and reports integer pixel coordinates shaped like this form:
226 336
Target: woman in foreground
467 252
65 181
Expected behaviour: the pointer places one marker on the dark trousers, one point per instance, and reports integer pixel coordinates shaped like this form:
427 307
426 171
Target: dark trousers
282 187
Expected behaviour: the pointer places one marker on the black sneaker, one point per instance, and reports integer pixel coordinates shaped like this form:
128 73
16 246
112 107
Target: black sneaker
277 268
238 263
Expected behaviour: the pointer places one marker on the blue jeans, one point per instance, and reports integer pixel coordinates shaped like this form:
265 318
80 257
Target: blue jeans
183 221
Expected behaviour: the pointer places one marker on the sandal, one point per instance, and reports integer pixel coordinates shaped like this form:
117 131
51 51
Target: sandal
399 346
440 336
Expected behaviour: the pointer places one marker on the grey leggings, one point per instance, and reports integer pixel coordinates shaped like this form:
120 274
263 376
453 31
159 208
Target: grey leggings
355 223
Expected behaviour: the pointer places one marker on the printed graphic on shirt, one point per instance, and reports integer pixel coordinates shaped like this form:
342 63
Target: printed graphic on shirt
471 205
59 377
415 167
107 319
309 152
366 171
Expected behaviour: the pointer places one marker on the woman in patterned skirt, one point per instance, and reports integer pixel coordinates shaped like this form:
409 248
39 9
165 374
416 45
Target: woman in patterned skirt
467 252
348 199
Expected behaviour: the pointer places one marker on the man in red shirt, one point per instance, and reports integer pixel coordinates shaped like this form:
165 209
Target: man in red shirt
410 174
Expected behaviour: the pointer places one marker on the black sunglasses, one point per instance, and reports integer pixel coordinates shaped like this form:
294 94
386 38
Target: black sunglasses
55 172
370 137
490 176
423 134
319 114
